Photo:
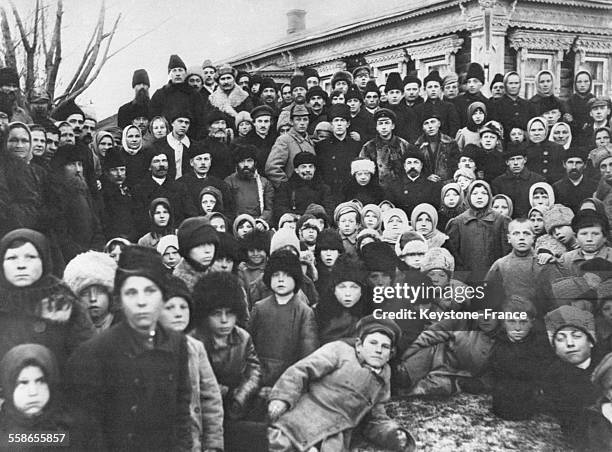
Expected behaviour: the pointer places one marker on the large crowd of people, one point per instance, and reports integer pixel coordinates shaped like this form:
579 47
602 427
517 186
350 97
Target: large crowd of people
244 265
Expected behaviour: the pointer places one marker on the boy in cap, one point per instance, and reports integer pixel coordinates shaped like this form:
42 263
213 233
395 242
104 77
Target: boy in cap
445 111
475 79
406 122
317 99
198 242
279 165
300 420
440 151
348 218
362 126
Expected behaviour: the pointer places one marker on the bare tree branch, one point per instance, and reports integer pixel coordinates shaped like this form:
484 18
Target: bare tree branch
10 59
54 57
142 35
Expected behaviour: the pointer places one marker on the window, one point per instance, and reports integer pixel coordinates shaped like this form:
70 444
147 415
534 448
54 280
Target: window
534 64
383 72
598 67
438 64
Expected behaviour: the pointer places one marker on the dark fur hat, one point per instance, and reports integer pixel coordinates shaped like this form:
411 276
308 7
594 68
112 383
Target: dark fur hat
218 290
285 261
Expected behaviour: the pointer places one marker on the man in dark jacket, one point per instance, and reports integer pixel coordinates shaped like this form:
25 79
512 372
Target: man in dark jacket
140 106
176 144
574 187
413 188
362 122
406 121
302 189
517 179
178 96
334 156
217 141
445 111
262 136
439 150
475 79
511 109
316 99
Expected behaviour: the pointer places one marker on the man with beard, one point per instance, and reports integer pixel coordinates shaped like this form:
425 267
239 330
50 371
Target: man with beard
268 95
413 188
88 129
317 100
9 89
40 107
158 184
120 214
217 141
229 98
74 223
176 146
209 71
252 193
192 183
261 136
574 187
302 189
279 166
177 96
140 106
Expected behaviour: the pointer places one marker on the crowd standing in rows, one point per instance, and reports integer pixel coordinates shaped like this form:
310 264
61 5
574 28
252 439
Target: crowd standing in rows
208 275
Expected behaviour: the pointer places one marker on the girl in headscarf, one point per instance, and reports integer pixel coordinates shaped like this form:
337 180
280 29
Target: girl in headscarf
536 217
541 195
578 101
503 204
35 306
543 157
545 88
451 203
101 143
395 222
561 133
158 128
33 403
424 220
476 117
131 145
211 200
162 222
371 217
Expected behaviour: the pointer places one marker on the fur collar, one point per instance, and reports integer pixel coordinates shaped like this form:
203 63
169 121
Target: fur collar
220 100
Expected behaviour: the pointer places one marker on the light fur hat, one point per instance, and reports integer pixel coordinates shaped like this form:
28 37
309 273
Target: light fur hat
565 316
284 237
406 241
600 154
438 259
362 165
557 215
89 268
167 241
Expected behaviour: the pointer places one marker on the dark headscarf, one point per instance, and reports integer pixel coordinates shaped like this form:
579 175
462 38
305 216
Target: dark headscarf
155 229
27 236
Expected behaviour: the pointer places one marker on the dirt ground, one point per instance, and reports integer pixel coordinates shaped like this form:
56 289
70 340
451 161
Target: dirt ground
464 423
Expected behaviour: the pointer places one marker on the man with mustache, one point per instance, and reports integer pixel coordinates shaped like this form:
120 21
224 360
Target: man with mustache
316 99
158 184
574 187
176 145
210 85
253 194
229 97
219 135
119 219
268 95
9 92
414 187
140 106
262 136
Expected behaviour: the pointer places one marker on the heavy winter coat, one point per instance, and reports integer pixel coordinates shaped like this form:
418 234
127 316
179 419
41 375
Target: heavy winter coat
279 165
120 214
249 196
189 188
174 98
331 392
571 195
446 113
406 193
407 125
296 194
516 186
147 191
162 145
334 159
442 161
463 101
510 112
546 158
139 396
388 157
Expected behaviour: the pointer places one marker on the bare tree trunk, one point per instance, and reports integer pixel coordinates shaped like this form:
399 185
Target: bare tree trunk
53 58
10 59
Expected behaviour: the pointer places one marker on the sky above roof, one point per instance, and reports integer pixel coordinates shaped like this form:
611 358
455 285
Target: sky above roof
194 29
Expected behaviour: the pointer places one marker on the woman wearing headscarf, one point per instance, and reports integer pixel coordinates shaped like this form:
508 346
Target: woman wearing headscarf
561 133
101 143
543 157
131 147
424 220
545 88
162 222
35 306
577 104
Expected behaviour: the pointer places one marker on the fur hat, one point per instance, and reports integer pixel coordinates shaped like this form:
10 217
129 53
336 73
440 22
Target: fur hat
256 240
450 78
465 172
218 290
65 110
114 159
65 154
304 157
362 164
195 70
176 287
316 91
310 72
476 71
243 116
89 268
244 152
438 259
282 238
140 76
411 78
367 233
298 81
406 241
499 78
225 69
570 288
143 261
346 207
241 218
207 63
318 211
557 215
285 261
352 93
324 126
379 257
600 154
570 316
329 239
385 113
339 111
341 76
394 82
284 119
515 149
175 61
588 218
228 247
433 76
193 232
308 221
371 87
493 127
370 324
348 267
166 242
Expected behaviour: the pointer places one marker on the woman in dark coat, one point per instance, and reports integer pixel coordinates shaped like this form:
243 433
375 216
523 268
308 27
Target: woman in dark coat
35 306
134 377
543 157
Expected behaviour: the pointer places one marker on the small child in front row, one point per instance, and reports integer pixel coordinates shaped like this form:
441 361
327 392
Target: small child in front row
520 356
313 408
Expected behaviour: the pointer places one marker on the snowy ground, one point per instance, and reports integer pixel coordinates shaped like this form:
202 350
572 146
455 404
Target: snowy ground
464 423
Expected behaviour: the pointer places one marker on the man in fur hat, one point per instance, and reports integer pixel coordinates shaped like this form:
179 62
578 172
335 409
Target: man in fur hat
406 122
475 79
445 111
9 95
140 106
341 81
316 99
229 97
574 187
177 96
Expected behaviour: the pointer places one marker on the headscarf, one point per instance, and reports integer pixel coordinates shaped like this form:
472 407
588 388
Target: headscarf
239 219
547 188
16 125
124 140
508 201
28 236
471 188
451 186
155 229
390 236
470 111
435 238
371 208
537 83
97 138
555 126
583 71
536 119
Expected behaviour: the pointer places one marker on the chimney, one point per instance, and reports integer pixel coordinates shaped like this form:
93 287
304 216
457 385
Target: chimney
296 21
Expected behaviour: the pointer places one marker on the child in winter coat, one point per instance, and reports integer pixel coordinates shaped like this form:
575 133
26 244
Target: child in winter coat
198 242
169 249
363 185
243 224
559 237
348 218
424 220
343 304
451 203
536 217
410 248
205 408
520 357
477 116
33 403
232 355
255 246
312 404
91 276
329 248
371 217
438 265
502 204
226 255
283 327
162 222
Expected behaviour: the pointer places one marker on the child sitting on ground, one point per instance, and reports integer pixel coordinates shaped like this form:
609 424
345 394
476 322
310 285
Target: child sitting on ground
312 406
520 357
